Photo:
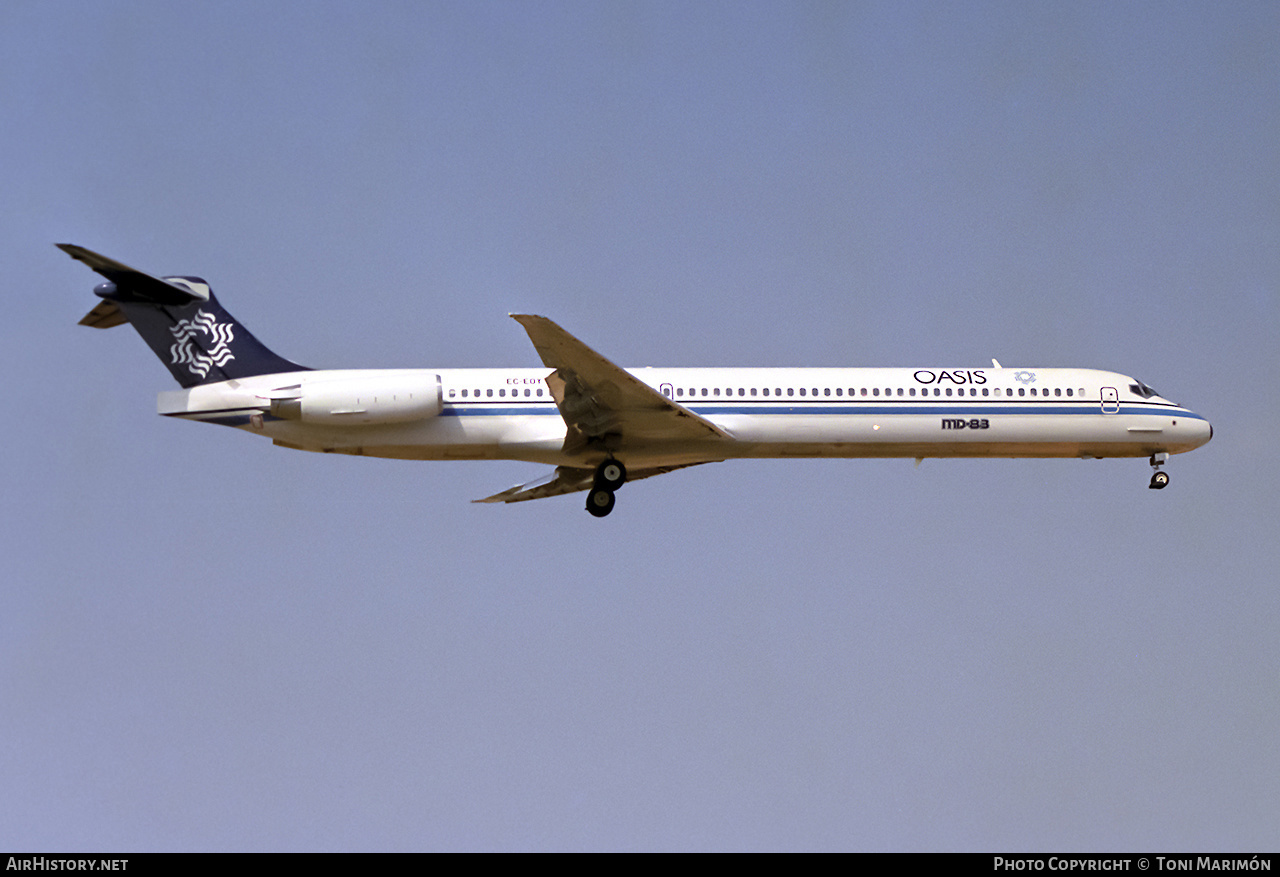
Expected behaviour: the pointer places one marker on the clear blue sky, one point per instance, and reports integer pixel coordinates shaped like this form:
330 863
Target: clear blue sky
209 643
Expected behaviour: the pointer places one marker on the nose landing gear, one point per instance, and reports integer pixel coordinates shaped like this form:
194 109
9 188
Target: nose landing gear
1159 480
610 475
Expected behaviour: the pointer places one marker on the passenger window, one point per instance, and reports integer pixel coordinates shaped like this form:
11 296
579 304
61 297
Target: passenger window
1022 391
791 391
875 391
1068 391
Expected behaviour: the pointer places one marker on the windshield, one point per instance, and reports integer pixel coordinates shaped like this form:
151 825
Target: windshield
1143 390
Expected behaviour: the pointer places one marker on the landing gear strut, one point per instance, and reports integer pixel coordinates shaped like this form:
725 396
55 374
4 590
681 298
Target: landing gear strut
1159 480
610 475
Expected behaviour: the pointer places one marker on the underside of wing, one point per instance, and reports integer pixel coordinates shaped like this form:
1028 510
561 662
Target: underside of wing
603 405
568 479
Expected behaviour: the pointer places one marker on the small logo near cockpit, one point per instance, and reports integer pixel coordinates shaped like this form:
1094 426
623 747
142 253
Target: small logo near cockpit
1025 377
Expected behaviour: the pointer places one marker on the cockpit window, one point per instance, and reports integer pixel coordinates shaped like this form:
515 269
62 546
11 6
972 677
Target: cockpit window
1143 390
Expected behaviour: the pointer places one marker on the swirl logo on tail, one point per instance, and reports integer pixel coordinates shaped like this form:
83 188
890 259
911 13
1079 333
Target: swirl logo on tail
216 352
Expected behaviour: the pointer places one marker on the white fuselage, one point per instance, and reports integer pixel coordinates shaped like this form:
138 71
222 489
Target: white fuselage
767 412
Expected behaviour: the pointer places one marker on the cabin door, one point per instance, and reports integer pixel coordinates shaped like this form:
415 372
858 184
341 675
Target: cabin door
1110 401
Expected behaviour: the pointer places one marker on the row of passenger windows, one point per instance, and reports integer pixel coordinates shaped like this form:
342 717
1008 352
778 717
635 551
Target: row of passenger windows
875 391
681 392
476 394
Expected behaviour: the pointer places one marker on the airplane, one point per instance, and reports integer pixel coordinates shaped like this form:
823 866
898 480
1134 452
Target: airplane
602 426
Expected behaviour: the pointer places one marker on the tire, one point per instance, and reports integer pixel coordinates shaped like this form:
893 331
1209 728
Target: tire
610 475
599 501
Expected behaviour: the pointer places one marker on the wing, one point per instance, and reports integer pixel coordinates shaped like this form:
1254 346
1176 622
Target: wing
568 479
605 405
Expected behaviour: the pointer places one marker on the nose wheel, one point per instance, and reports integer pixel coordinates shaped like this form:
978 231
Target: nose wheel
1159 480
610 475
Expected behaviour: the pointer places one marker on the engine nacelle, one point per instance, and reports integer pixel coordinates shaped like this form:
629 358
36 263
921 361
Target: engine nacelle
358 401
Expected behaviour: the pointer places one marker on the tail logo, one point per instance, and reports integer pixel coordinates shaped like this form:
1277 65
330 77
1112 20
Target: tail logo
199 359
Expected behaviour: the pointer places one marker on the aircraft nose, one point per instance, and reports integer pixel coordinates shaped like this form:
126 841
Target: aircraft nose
1204 433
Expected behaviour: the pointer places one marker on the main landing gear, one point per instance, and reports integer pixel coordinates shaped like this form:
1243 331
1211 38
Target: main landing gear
1159 480
610 475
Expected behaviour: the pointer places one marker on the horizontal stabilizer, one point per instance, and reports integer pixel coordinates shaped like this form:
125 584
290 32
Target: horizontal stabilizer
106 315
131 284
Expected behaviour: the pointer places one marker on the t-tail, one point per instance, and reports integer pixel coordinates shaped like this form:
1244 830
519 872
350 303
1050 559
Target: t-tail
181 320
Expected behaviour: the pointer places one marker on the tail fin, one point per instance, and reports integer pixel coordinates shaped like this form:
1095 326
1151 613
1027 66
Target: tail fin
181 320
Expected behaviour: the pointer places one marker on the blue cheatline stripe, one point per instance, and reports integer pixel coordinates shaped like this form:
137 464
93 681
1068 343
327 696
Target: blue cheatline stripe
240 416
472 409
